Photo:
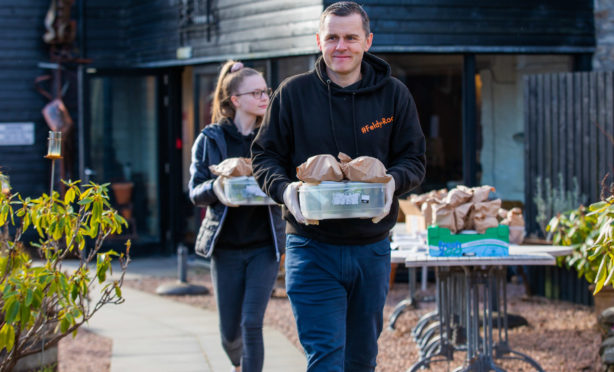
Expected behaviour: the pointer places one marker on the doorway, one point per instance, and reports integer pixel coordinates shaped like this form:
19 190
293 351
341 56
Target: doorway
122 148
435 82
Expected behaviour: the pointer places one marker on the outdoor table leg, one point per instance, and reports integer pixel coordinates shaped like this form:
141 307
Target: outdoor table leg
502 348
423 322
428 352
410 301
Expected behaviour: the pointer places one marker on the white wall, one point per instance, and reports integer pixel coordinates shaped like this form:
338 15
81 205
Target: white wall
502 117
603 58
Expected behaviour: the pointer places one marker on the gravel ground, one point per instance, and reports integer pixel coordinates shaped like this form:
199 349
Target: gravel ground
560 336
87 352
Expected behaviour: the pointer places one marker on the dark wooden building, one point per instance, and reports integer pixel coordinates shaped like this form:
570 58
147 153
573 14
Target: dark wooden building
143 94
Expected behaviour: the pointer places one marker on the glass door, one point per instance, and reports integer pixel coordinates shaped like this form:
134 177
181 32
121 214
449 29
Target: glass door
123 148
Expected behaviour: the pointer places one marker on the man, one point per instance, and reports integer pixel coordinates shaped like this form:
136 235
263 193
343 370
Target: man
337 271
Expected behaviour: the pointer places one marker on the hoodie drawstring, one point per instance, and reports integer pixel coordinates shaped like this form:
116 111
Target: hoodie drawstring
354 125
330 113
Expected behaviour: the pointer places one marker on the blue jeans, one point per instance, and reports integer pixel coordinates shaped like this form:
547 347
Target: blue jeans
337 294
243 280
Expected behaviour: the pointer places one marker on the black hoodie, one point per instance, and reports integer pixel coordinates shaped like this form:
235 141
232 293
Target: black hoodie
311 115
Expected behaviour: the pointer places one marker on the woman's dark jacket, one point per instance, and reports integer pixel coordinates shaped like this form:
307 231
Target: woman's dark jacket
209 149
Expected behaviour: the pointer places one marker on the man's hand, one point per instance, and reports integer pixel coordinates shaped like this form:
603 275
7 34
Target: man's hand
389 194
218 189
292 203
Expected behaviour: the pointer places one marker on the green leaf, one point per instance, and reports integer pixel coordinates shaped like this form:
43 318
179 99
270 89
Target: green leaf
11 309
64 325
4 211
94 230
25 316
69 197
29 297
7 336
597 206
600 278
96 211
608 280
74 291
118 291
84 201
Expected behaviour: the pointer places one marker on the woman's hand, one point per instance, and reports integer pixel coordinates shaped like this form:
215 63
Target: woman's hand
218 189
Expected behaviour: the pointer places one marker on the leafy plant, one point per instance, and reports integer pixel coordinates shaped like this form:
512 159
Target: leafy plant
40 303
576 228
551 200
602 249
591 234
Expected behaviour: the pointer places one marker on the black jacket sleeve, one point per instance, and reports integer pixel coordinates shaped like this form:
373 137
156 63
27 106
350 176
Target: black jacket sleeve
407 145
271 150
201 179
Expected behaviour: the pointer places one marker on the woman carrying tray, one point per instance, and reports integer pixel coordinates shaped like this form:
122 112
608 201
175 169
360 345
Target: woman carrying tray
244 242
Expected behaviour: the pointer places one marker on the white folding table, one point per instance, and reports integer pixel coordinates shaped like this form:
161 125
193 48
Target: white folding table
458 283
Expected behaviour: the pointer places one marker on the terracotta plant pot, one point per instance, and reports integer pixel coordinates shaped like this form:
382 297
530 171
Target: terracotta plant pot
603 299
122 191
126 213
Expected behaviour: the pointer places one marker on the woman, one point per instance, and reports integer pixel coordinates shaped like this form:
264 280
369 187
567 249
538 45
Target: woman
245 243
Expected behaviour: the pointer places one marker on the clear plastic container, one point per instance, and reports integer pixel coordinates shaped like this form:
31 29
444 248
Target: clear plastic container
245 191
341 200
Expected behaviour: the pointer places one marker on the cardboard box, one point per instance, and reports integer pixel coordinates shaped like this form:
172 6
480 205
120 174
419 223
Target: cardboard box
414 220
493 243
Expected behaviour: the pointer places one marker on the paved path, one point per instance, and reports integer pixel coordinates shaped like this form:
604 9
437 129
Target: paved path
152 333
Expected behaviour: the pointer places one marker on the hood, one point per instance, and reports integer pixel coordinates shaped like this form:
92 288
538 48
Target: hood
375 73
215 133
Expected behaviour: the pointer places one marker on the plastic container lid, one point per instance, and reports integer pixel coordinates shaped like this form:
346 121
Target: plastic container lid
245 191
330 200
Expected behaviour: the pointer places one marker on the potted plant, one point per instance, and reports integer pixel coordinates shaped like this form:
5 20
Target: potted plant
40 303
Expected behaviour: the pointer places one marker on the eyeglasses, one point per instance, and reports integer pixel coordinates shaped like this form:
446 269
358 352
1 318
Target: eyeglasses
257 94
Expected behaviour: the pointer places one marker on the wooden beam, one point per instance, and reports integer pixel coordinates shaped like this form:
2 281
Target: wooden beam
469 121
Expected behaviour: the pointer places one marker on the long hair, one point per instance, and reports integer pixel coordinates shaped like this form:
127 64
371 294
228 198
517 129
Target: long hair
231 76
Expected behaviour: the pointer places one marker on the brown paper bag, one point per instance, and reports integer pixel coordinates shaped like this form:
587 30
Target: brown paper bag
515 220
427 210
482 210
515 217
461 214
441 193
363 169
502 214
457 197
481 193
319 168
438 194
233 167
418 200
490 208
443 216
482 222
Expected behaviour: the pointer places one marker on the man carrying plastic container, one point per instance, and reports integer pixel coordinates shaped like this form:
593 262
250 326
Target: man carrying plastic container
337 271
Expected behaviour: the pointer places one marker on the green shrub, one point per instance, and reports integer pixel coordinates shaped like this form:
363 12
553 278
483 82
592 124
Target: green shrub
40 303
591 234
